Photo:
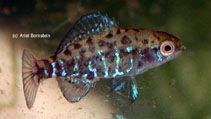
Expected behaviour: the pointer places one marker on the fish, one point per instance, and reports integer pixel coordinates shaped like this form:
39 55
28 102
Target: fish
96 49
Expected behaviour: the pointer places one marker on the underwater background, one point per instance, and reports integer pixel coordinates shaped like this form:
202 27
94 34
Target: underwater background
179 89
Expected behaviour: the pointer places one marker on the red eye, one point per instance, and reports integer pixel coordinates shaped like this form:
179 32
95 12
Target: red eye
167 48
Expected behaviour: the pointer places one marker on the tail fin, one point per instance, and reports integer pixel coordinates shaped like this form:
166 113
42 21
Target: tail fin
30 77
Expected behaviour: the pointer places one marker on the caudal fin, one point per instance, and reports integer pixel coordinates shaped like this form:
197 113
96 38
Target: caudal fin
30 77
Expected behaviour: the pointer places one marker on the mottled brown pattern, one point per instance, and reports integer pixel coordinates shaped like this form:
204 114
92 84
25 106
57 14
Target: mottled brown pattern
147 55
158 38
101 43
123 53
67 52
41 73
118 31
135 52
50 70
82 51
46 62
125 40
110 35
114 43
44 65
68 64
136 38
145 41
136 30
90 75
58 69
91 48
52 58
112 58
89 41
109 45
109 55
77 46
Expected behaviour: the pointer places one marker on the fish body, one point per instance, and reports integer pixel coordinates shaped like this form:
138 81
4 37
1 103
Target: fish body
97 48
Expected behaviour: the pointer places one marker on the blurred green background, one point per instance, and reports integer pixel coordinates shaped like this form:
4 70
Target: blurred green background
180 89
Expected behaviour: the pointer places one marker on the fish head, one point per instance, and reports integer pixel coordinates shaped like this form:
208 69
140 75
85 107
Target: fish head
166 48
169 45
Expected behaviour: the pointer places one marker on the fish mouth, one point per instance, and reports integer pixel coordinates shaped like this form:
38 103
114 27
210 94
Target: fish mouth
179 51
182 48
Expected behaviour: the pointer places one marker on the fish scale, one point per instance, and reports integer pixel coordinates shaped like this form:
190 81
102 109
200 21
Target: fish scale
94 49
120 50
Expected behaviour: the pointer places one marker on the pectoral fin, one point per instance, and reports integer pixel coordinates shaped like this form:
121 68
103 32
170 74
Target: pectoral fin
127 85
74 89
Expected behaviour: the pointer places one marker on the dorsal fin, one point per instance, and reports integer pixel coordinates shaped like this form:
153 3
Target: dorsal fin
87 26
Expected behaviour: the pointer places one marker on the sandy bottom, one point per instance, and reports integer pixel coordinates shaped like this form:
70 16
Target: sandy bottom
50 103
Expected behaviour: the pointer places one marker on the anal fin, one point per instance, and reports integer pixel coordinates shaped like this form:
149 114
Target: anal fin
74 89
127 85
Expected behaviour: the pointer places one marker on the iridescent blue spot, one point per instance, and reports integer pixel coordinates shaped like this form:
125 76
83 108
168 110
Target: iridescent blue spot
135 92
100 52
46 72
117 64
119 87
86 81
131 67
112 22
85 75
106 19
119 116
118 59
75 67
76 57
53 64
91 69
98 29
101 25
62 67
159 56
129 49
117 73
65 47
75 99
104 62
77 74
168 57
64 73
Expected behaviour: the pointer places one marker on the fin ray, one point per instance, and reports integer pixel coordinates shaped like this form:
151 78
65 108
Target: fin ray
87 25
73 89
127 85
30 78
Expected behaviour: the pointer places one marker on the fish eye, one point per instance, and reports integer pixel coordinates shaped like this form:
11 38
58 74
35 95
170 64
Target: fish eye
167 48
